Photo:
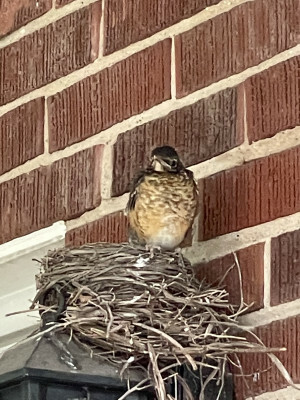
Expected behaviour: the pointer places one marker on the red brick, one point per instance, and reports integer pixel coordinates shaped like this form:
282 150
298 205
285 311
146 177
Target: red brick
129 21
285 268
16 13
60 191
112 228
234 41
110 96
251 261
264 376
50 53
21 134
256 192
198 132
60 3
272 99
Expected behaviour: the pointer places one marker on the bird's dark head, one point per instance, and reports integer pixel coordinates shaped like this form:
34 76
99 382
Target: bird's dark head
165 159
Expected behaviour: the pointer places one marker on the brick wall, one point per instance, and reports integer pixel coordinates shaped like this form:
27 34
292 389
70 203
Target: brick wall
88 88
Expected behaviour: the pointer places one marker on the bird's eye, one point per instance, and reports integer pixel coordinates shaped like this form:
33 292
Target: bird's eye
173 164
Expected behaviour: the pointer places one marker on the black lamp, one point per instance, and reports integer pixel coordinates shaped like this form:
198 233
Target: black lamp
34 370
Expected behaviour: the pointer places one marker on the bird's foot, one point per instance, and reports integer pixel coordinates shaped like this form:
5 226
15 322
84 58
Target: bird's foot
178 251
151 249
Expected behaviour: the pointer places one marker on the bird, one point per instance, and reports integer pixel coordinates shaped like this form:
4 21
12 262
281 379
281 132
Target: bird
163 202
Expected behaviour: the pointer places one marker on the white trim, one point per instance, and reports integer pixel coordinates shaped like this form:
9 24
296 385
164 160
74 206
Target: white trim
15 338
35 240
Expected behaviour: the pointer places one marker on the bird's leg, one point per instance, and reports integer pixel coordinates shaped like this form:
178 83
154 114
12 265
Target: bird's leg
151 252
178 251
151 249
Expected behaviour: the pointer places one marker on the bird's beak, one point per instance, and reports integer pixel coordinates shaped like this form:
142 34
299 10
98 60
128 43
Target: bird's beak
157 164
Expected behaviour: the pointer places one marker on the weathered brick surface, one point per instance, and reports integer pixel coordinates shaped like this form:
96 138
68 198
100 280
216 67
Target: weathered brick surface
198 132
60 191
112 228
129 21
256 192
116 93
251 262
260 374
234 41
16 13
60 3
21 134
50 53
272 99
285 268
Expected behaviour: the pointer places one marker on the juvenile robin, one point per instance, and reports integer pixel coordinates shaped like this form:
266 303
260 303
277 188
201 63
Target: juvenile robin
163 201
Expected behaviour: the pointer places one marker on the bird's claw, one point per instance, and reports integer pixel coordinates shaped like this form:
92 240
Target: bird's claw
178 251
151 249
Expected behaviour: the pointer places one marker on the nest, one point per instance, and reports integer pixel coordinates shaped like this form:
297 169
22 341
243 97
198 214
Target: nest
137 311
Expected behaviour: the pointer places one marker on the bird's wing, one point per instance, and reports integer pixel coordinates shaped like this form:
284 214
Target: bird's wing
133 195
187 241
190 175
196 194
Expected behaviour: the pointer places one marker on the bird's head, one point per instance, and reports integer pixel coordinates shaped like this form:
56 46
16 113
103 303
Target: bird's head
166 159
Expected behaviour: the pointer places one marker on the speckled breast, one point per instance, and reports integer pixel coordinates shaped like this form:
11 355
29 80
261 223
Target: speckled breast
165 209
